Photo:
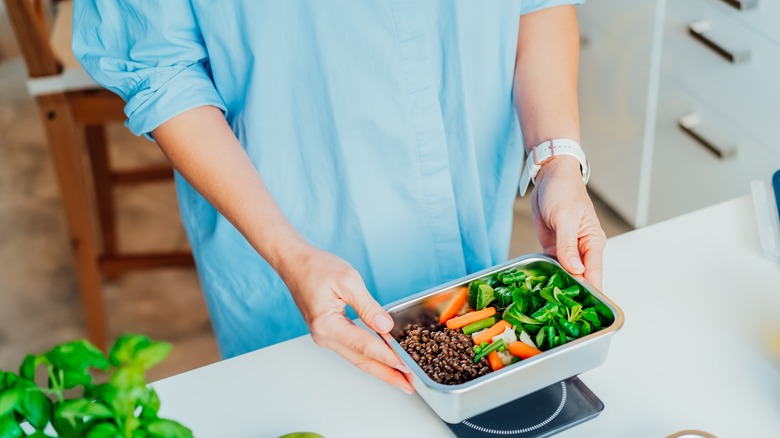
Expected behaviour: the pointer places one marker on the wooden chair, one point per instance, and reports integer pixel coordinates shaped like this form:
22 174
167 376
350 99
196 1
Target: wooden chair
75 111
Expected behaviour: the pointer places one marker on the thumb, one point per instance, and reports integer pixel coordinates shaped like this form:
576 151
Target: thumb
367 308
566 247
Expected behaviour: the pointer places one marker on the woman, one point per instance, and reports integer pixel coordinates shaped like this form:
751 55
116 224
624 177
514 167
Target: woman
329 149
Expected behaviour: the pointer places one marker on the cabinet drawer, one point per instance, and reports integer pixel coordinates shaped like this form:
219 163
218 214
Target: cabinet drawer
687 176
613 87
629 22
747 91
761 15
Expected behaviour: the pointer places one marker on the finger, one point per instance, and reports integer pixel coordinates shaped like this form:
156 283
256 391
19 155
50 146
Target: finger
356 339
375 368
356 295
593 257
566 247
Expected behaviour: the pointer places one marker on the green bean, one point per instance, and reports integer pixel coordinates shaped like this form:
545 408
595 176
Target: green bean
479 325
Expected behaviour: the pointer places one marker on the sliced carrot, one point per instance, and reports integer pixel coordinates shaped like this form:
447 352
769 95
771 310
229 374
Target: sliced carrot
522 350
487 335
463 321
494 361
454 306
440 300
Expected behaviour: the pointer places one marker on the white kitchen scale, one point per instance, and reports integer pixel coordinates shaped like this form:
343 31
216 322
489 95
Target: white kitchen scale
541 414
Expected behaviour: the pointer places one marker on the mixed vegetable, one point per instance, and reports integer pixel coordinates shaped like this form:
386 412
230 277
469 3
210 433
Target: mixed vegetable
519 313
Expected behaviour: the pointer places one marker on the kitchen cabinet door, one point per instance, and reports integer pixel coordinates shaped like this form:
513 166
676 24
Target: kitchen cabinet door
746 91
613 87
686 174
761 15
629 22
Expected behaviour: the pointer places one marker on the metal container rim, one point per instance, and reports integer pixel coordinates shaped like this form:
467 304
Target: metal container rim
541 358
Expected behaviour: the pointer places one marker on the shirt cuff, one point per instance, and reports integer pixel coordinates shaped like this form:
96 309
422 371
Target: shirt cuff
158 99
528 6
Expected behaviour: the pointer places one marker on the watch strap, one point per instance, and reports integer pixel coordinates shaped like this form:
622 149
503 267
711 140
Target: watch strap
545 152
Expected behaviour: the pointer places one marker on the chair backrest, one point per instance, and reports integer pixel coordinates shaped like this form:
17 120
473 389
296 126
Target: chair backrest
29 23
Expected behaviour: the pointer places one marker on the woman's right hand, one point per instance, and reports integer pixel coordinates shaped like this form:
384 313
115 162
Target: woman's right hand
322 285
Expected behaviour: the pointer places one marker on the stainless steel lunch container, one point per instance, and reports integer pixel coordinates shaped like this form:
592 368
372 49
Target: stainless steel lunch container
455 403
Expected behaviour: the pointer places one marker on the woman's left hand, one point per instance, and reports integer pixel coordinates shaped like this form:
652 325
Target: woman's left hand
565 220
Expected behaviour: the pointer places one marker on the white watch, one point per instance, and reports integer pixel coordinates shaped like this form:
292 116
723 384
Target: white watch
545 152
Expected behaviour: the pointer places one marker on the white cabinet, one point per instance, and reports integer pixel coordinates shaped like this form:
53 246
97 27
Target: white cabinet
704 59
686 174
614 83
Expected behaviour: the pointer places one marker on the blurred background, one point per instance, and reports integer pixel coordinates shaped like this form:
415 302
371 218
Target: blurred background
91 244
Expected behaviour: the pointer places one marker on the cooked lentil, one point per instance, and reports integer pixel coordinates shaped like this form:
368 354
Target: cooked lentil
445 355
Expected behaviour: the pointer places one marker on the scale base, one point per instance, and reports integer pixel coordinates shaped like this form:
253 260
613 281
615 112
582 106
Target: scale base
542 414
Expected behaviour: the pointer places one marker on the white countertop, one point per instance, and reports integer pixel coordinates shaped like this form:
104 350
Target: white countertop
698 297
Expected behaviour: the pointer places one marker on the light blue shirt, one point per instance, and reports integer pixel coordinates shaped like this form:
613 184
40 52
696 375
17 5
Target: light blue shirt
384 129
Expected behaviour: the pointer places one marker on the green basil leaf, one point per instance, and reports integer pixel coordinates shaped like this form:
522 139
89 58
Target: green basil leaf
150 403
35 407
27 369
77 356
71 410
103 430
7 380
132 424
9 428
126 347
8 400
97 410
66 419
154 353
72 378
128 376
162 428
98 392
124 400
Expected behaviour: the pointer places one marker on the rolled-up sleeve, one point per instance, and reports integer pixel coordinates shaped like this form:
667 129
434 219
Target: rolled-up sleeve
527 6
149 52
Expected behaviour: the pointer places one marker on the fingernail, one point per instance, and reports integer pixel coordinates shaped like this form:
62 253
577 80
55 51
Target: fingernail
402 368
407 390
383 323
576 264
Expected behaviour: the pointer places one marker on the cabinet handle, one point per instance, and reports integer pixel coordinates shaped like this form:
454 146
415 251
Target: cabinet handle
699 29
690 122
742 5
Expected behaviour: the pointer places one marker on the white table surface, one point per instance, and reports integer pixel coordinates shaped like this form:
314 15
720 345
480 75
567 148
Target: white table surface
698 297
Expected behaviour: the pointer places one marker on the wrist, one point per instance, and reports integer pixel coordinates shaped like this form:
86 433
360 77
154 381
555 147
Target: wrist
285 254
565 165
551 155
